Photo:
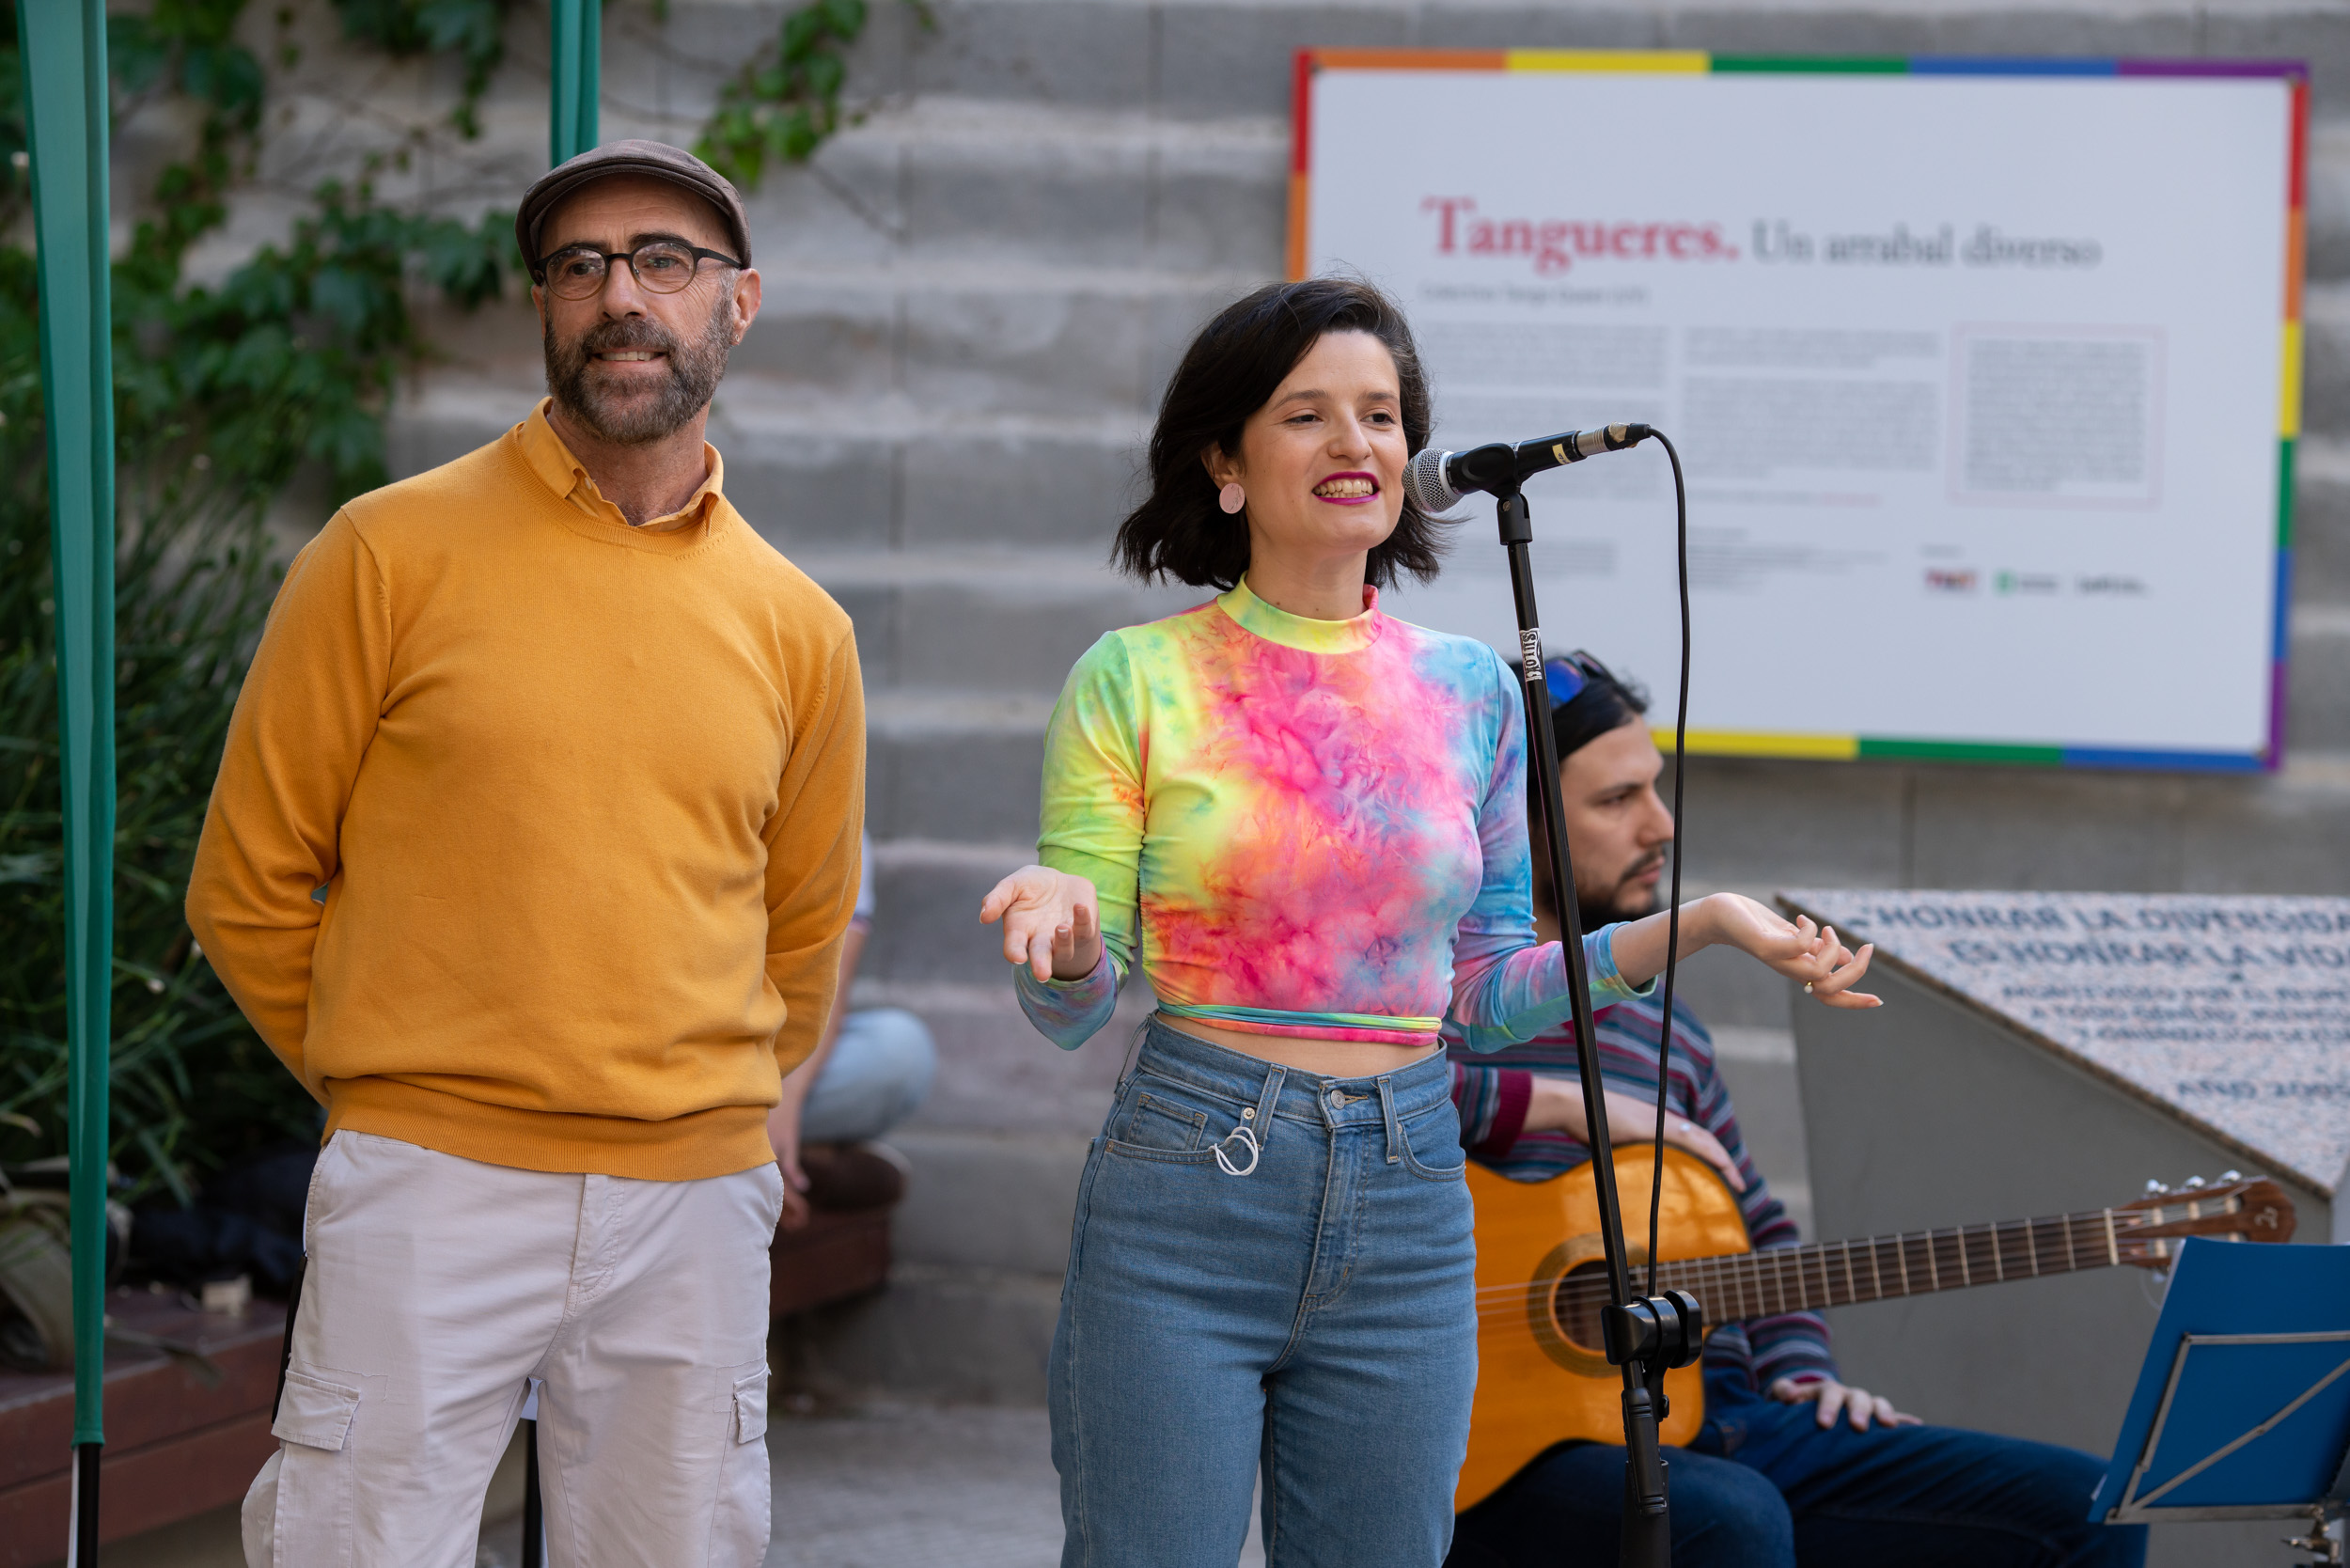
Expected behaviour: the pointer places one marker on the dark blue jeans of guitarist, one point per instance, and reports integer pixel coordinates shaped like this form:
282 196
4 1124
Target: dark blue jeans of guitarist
1766 1486
1792 1467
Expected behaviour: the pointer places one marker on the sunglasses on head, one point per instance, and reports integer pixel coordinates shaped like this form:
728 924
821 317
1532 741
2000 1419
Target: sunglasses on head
1568 674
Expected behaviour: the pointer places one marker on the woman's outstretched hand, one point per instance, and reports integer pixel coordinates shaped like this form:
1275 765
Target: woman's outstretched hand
1050 922
1797 948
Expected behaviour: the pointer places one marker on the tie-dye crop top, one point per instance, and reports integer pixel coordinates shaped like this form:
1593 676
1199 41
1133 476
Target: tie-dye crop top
1313 829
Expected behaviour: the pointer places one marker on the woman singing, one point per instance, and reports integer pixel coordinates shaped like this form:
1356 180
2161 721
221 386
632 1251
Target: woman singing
1307 820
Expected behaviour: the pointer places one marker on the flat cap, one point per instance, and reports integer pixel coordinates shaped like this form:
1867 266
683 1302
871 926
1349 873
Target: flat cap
655 160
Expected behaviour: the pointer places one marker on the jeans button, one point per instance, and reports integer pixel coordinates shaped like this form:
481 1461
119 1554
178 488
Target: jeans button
1337 1101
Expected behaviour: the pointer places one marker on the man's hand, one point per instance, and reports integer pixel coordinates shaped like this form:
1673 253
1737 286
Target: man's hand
783 1132
1558 1107
1856 1406
1050 922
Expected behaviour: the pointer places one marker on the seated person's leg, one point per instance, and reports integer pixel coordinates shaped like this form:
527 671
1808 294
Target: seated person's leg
1566 1509
1927 1496
880 1069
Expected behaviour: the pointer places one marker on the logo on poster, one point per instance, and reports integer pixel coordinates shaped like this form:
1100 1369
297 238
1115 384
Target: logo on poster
1554 246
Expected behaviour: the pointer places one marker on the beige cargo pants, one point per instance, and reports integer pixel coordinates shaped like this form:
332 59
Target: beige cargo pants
438 1287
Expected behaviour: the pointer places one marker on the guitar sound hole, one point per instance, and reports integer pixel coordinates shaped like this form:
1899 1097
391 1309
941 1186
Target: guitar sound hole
1575 1305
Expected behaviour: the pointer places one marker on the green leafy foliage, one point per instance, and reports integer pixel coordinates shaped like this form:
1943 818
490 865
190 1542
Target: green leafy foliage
785 102
293 358
192 1085
473 30
223 395
188 49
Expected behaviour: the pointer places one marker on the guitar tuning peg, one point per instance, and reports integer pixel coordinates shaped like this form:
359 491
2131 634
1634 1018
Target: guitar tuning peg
2193 1182
2231 1176
2154 1188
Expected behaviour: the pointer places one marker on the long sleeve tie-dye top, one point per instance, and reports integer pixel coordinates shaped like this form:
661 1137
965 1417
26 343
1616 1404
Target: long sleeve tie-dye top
1313 829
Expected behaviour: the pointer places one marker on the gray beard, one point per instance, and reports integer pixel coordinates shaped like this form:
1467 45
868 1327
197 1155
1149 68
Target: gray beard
640 418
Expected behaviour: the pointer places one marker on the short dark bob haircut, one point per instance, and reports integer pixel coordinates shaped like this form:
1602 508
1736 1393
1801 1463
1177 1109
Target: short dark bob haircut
1231 370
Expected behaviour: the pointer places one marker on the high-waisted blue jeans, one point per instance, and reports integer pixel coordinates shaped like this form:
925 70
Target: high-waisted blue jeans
1269 1270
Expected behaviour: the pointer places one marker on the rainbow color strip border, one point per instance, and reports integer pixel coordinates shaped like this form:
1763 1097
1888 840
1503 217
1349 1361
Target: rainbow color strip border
1691 62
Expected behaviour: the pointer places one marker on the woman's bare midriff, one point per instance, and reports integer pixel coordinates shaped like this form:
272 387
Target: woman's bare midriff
1328 1058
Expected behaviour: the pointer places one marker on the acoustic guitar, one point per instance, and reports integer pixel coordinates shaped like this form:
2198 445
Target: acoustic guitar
1542 1278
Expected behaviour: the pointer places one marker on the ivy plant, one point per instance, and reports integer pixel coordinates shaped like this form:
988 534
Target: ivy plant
471 30
784 103
223 394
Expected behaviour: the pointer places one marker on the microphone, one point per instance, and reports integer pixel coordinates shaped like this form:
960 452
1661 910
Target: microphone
1436 481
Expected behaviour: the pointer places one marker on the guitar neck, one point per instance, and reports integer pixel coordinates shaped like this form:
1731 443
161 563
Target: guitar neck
1837 1273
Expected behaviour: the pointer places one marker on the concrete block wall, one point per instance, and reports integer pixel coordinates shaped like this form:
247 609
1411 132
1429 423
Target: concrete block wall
973 298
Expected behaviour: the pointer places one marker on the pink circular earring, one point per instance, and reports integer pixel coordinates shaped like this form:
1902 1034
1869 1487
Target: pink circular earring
1231 497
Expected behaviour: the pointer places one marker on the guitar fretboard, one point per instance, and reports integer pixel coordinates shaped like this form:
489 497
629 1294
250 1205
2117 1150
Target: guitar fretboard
1837 1273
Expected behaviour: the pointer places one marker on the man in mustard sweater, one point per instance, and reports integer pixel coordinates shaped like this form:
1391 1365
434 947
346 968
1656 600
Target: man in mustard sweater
532 849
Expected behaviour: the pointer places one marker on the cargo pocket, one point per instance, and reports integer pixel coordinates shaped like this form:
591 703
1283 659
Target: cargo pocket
739 1529
750 1407
315 1489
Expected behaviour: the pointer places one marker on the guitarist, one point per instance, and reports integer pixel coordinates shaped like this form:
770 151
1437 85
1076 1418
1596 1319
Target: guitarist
1791 1466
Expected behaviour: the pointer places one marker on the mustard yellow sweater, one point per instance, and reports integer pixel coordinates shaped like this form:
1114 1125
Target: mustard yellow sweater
536 834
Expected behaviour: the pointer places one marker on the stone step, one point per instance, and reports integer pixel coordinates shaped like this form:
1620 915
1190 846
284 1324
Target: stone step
896 480
996 1075
2321 521
2317 702
965 1335
991 1199
967 182
926 894
2325 372
1001 622
1208 59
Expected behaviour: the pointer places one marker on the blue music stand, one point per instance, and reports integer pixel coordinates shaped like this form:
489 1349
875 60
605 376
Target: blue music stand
2243 1407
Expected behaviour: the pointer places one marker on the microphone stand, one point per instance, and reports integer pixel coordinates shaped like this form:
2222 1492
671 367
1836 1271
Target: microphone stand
1644 1337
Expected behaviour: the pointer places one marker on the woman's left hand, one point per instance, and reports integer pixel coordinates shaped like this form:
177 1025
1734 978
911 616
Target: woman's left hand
1797 948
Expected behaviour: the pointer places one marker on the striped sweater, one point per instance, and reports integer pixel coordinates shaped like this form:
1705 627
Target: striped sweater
1492 1093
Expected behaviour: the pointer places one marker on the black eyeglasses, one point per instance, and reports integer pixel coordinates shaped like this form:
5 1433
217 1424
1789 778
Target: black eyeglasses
661 266
1568 674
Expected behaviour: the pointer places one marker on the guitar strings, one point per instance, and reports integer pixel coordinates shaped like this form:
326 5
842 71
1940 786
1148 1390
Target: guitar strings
1836 1255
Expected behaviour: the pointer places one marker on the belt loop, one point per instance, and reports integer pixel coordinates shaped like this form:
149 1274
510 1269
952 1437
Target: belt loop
1387 1113
1270 1100
1133 1050
1256 1126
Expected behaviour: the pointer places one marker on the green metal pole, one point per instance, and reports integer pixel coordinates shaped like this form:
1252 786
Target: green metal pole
578 69
578 76
63 45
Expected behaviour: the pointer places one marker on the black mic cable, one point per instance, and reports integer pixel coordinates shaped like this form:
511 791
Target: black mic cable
1672 919
1436 481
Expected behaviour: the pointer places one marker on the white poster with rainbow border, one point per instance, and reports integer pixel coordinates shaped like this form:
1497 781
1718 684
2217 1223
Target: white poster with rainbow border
1985 374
